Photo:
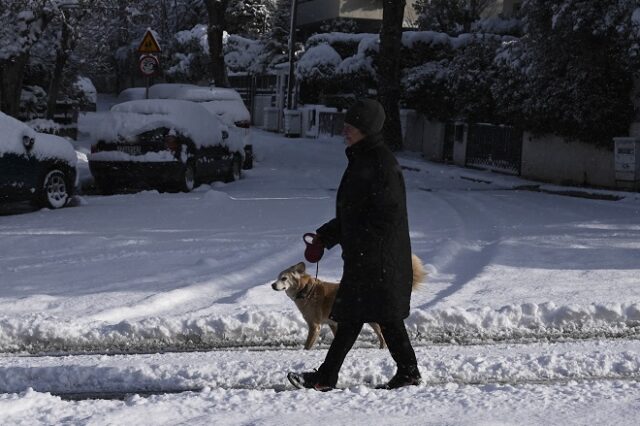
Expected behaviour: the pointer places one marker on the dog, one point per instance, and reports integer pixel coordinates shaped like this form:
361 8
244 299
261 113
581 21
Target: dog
314 298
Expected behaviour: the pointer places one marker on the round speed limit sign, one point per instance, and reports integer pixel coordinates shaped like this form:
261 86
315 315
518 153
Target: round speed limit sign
149 65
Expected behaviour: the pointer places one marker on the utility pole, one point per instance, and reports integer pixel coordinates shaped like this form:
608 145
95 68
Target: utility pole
292 41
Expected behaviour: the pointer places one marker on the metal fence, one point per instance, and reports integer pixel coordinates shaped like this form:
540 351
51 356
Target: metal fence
330 123
494 147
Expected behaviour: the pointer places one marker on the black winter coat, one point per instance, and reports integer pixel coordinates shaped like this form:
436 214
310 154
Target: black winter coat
372 227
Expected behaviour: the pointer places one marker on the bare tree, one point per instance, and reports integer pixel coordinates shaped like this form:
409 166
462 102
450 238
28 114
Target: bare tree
389 69
217 10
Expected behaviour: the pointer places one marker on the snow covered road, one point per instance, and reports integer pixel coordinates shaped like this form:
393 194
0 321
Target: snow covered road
513 274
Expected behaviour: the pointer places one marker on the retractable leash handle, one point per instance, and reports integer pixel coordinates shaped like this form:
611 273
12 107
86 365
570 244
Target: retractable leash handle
308 238
315 249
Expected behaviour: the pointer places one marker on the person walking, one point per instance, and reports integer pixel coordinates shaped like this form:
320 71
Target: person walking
371 226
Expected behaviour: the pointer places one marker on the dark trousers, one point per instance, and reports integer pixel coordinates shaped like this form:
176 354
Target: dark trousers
397 340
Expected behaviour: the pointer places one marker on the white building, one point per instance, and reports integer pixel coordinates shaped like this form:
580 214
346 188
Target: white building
368 13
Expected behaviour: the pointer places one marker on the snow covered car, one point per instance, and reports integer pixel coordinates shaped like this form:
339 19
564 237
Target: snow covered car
224 103
35 166
132 94
162 144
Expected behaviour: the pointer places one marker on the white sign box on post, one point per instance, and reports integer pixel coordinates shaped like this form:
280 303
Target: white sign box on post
627 159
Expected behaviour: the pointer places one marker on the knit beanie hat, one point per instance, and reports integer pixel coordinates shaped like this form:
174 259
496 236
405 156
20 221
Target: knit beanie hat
366 115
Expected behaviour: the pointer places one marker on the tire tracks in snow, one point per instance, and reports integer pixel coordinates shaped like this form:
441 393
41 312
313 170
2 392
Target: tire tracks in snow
461 257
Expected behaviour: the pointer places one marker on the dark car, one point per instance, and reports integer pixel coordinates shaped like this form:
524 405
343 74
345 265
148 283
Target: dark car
35 166
163 144
224 103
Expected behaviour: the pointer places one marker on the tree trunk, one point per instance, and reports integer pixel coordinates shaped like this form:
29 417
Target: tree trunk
216 10
12 75
389 69
62 55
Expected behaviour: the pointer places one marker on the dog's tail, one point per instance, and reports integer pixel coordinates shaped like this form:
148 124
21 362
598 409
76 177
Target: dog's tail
419 274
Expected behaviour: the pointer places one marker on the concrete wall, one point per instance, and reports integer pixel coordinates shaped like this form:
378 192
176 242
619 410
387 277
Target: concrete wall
433 140
552 159
411 124
422 135
460 148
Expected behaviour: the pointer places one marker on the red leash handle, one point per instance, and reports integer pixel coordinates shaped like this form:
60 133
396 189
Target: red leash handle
315 249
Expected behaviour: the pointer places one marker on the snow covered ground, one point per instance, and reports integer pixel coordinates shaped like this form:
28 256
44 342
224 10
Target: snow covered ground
530 313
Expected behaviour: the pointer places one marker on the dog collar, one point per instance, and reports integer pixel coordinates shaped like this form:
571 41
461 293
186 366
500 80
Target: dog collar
302 294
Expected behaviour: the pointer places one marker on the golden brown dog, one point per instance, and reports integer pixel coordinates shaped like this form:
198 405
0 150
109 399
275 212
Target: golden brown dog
314 298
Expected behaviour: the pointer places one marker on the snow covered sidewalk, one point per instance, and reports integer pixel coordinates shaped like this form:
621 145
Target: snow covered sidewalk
566 383
241 369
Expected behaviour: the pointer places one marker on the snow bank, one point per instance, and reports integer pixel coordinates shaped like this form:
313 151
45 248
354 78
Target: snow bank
249 326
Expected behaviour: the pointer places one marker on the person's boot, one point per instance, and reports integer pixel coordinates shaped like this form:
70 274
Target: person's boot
309 380
403 377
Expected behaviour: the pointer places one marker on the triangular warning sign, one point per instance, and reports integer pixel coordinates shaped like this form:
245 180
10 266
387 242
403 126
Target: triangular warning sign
149 44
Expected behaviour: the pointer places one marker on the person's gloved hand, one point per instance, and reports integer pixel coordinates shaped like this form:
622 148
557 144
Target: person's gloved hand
315 249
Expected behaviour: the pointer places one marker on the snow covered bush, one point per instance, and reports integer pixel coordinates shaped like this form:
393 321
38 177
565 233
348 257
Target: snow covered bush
420 47
572 73
241 54
190 56
449 16
450 78
337 65
318 63
33 102
426 90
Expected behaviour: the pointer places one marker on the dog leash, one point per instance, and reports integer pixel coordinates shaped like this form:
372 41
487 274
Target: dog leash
317 268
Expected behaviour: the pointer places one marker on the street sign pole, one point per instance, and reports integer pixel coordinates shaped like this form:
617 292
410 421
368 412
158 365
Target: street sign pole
292 41
148 63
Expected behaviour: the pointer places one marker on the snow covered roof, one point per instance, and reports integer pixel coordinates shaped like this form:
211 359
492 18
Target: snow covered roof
129 119
45 147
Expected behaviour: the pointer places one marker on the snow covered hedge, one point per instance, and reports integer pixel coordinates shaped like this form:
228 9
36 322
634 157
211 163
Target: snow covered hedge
337 64
571 74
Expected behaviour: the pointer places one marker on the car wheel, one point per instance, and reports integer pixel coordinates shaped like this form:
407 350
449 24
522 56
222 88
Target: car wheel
188 178
236 169
54 190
